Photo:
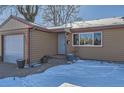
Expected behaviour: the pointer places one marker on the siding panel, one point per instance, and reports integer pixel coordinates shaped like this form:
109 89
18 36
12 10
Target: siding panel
42 43
113 47
13 24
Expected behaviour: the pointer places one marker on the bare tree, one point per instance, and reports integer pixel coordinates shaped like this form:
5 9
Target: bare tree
28 11
53 15
57 15
2 8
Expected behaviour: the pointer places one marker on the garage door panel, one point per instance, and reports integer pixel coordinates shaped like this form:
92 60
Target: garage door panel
13 48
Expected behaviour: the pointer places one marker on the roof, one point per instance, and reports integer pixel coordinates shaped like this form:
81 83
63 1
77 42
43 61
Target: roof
30 24
100 23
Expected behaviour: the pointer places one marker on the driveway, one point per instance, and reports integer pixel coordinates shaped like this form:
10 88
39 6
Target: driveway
11 70
7 70
85 73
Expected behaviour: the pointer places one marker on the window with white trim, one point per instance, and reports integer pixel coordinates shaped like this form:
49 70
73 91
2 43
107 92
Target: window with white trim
87 39
97 38
76 39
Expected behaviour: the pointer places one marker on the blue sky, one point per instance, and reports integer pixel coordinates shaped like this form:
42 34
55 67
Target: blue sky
89 12
92 12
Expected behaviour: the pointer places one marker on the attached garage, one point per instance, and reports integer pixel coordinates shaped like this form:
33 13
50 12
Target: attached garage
13 48
20 39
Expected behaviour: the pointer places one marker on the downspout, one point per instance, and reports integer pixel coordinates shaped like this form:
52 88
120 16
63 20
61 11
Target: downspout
2 49
66 52
28 47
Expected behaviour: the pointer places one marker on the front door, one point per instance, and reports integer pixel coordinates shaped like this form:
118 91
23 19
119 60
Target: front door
13 48
61 43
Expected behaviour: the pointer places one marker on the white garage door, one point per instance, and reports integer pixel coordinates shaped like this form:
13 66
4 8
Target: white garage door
13 48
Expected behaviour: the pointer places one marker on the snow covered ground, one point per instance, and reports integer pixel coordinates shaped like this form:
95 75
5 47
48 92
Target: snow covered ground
82 73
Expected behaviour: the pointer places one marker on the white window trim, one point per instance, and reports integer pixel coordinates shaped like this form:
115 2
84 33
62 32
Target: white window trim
73 37
92 38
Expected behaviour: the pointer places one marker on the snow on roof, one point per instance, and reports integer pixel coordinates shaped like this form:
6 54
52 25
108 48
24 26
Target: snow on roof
68 85
93 23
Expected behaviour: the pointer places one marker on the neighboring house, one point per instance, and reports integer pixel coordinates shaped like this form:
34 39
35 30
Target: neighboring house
97 39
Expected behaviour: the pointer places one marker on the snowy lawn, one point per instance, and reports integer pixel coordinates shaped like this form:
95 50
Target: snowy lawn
82 73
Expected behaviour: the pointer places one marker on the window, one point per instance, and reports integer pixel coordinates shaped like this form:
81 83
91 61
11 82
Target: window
97 38
76 39
87 39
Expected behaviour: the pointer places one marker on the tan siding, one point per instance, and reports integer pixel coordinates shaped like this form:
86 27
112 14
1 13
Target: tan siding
42 43
13 24
113 47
